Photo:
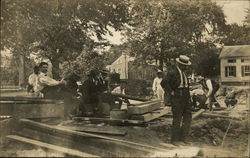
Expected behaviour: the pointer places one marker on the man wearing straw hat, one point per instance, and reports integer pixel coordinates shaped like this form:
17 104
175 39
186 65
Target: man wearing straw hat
176 85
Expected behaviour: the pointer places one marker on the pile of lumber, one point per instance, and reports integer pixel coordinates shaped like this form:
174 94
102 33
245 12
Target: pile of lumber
147 111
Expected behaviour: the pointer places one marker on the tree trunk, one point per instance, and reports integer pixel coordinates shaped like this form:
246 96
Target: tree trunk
55 69
161 64
21 71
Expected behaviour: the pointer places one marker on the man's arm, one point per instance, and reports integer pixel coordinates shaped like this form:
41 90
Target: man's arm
154 86
210 88
45 80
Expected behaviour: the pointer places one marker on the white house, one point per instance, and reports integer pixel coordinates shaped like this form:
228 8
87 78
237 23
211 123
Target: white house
235 65
120 65
125 67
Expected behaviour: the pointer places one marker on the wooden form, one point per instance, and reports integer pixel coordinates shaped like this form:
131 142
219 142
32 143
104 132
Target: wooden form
67 151
23 107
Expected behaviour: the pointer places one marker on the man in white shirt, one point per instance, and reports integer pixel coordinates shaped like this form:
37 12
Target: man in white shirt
45 83
157 89
33 82
210 87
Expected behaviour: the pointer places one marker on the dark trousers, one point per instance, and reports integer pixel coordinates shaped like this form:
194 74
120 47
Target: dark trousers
182 115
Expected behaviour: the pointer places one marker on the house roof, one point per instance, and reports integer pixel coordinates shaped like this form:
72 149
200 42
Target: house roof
235 51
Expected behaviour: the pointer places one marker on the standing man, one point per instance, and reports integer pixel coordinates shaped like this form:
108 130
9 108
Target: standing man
176 85
157 89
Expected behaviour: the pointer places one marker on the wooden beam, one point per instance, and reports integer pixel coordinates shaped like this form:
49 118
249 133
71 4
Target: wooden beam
68 151
151 115
98 130
144 108
58 129
110 121
129 97
143 103
198 113
220 116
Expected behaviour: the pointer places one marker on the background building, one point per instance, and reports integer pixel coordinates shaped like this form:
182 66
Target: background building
235 65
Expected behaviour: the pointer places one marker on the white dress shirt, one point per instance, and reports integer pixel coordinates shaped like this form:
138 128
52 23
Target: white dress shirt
44 80
118 90
157 84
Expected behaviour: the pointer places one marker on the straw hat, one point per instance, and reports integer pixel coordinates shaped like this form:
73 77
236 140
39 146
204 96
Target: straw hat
184 60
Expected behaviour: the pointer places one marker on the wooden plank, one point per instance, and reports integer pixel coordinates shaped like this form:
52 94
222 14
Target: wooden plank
220 116
58 129
145 108
110 121
129 97
198 113
152 115
143 103
29 99
98 130
183 151
68 151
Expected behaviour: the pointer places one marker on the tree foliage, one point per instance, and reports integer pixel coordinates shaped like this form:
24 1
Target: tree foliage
237 35
59 29
164 29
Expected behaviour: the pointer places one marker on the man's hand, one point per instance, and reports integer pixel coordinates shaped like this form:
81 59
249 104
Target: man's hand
63 82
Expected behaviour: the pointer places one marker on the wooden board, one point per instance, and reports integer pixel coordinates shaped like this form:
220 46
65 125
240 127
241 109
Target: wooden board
219 116
143 103
129 97
64 131
152 115
68 151
110 121
198 113
144 108
98 130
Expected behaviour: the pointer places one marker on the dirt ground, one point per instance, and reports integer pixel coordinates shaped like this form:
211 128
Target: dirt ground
216 137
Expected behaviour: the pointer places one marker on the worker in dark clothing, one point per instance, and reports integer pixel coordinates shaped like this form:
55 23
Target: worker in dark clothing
103 81
176 85
89 90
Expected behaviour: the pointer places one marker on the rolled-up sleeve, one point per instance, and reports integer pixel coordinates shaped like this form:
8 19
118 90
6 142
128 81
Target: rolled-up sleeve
45 80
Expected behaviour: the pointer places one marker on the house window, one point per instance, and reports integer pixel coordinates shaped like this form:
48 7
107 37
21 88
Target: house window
245 70
231 60
119 70
230 71
245 60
